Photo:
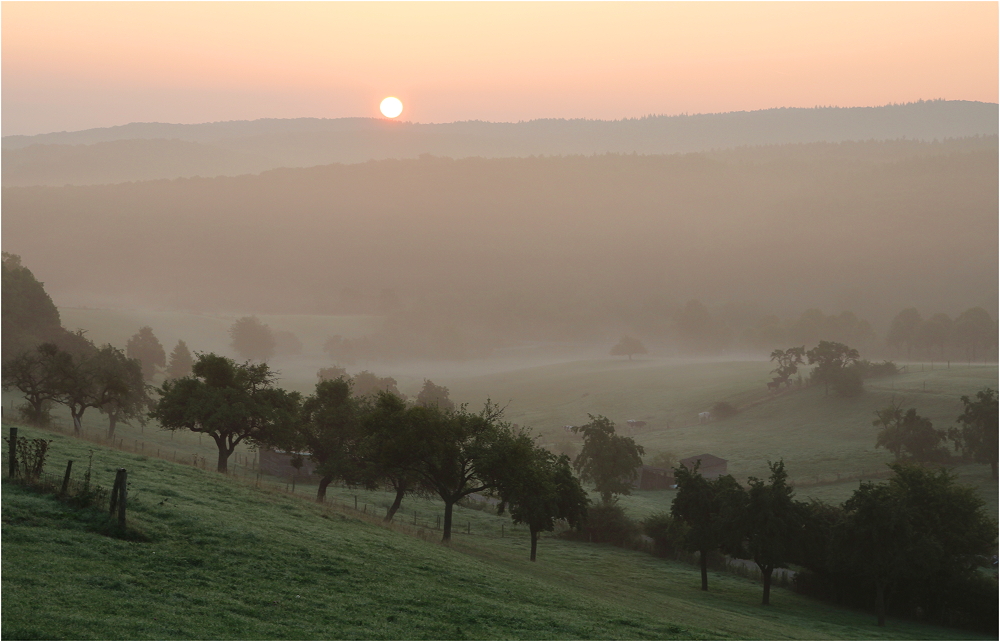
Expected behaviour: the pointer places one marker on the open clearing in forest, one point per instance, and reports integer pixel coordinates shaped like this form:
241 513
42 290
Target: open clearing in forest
213 557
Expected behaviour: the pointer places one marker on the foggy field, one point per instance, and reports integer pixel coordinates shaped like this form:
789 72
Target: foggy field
215 558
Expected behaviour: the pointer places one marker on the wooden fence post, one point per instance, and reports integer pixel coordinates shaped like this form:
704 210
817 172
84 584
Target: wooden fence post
124 496
13 451
65 484
115 490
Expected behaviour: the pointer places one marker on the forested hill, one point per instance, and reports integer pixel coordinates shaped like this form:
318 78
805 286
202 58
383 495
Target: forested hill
143 151
571 242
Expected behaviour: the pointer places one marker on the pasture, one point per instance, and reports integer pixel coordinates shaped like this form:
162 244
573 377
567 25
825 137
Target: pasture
214 557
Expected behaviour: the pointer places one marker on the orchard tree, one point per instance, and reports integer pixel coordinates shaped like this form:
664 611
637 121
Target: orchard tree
180 362
230 402
252 339
628 346
608 460
977 437
328 429
538 489
434 395
770 523
134 403
709 508
37 374
94 378
391 446
144 346
460 453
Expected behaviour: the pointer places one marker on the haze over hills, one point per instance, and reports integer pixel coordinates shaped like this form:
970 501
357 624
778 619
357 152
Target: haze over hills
144 151
556 248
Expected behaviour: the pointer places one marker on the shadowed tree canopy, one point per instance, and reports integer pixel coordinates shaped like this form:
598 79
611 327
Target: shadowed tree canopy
230 402
920 527
96 378
252 339
134 403
831 360
974 330
628 346
904 330
331 373
608 460
144 346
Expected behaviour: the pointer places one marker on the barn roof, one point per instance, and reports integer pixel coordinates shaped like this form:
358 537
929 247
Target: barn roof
706 460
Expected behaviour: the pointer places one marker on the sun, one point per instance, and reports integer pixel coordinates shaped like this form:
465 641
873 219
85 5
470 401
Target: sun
391 107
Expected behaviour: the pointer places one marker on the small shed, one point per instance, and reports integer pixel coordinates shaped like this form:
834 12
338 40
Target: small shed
279 463
653 478
711 466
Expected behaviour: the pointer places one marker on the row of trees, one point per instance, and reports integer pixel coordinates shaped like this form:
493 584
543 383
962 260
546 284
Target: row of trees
907 435
920 535
377 440
80 377
939 336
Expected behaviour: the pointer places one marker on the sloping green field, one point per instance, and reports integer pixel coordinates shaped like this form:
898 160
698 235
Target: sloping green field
213 557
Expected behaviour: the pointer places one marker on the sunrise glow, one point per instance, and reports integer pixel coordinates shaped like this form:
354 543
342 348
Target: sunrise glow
391 107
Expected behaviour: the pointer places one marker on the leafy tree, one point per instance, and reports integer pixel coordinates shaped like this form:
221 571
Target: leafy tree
180 362
920 528
28 315
133 402
904 330
628 346
668 533
788 361
977 437
365 384
538 489
328 429
974 329
252 339
708 508
460 453
830 358
230 402
93 378
609 461
37 374
434 395
144 346
849 381
771 523
392 444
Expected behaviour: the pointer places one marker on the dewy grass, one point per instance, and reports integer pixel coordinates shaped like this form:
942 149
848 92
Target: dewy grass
224 560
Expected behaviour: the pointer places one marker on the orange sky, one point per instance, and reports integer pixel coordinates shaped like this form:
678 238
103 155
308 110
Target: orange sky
68 66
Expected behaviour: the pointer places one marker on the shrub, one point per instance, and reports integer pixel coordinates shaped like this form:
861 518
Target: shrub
667 533
722 410
607 524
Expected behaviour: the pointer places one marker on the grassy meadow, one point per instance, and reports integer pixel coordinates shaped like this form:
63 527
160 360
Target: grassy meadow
212 556
208 556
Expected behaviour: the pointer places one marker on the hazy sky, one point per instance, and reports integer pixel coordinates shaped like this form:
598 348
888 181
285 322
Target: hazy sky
69 66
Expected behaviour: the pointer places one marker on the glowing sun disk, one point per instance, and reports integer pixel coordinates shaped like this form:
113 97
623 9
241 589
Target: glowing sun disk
391 107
